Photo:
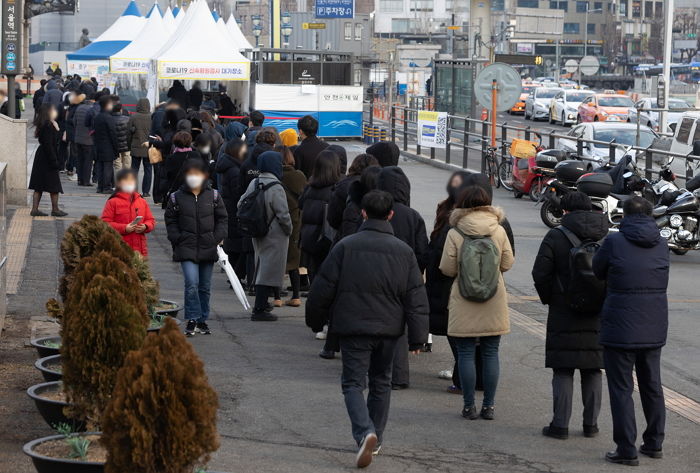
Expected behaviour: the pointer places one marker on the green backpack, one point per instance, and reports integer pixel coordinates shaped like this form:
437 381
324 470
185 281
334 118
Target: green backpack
479 267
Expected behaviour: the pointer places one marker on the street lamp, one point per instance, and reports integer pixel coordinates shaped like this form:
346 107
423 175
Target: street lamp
585 32
256 20
257 31
286 28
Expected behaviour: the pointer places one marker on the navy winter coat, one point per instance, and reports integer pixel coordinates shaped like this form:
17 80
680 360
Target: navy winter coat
635 263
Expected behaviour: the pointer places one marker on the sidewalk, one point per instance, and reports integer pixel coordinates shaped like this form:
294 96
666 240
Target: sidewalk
281 409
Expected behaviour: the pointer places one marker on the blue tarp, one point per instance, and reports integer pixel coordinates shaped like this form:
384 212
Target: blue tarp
99 50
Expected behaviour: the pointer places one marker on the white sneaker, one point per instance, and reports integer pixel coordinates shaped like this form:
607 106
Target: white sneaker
73 177
445 374
323 334
364 455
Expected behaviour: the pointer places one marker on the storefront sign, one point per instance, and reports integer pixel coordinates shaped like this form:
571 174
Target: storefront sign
11 36
432 129
203 71
335 8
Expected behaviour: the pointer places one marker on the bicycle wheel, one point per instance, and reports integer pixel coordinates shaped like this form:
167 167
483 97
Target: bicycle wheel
492 170
505 175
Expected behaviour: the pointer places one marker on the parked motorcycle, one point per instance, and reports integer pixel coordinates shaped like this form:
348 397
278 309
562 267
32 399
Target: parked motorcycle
531 175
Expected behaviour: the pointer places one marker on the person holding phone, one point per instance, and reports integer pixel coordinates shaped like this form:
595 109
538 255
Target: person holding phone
128 213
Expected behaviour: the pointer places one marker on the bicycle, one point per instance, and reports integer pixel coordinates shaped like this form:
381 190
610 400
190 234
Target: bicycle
498 174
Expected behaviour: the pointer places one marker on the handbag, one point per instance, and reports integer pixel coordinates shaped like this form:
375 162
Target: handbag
154 155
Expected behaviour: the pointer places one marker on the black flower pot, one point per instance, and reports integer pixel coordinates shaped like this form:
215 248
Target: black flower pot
52 410
170 312
157 329
42 349
47 366
45 464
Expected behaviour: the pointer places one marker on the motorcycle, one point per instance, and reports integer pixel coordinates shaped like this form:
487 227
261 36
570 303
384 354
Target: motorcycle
531 174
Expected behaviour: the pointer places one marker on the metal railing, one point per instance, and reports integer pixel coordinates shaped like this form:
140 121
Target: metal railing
468 136
3 243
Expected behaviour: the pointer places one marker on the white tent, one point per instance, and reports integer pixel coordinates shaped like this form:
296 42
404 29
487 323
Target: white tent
237 34
136 57
195 51
169 20
230 40
179 13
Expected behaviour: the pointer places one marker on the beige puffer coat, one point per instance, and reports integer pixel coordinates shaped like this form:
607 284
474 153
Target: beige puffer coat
477 319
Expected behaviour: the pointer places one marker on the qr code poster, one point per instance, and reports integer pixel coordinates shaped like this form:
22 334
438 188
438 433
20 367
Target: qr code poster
432 129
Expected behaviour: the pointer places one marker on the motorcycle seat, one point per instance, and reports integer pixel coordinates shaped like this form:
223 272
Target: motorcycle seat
622 197
659 211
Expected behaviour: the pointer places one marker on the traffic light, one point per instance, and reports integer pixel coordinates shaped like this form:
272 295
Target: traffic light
538 60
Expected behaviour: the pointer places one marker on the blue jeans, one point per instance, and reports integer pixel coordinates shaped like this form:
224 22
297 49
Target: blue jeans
466 347
147 172
197 289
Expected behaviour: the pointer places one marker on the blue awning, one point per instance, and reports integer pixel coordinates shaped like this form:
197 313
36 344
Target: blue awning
98 50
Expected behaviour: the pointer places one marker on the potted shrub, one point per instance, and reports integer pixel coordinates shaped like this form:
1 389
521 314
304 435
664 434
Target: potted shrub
46 346
50 367
162 415
50 401
67 452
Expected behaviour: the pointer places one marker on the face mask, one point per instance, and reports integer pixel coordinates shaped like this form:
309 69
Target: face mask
128 188
194 181
205 150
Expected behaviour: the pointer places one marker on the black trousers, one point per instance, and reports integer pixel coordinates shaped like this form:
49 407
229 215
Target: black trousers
619 365
563 393
400 371
84 163
367 358
105 175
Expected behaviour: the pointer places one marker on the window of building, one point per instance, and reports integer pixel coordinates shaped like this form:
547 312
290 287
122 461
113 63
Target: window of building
659 11
591 28
636 8
529 3
581 7
623 7
559 5
391 6
598 6
425 6
571 28
348 31
358 31
648 9
400 25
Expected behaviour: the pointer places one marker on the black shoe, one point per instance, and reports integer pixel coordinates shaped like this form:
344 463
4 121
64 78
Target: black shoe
399 387
488 413
590 431
262 316
327 354
470 413
58 213
203 328
269 307
657 454
555 432
191 328
364 454
145 194
427 348
38 213
614 457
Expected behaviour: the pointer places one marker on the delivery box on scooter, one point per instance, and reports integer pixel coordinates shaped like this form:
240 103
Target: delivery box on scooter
570 170
523 148
595 184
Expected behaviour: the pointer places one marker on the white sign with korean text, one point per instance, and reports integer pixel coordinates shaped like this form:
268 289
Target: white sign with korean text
432 129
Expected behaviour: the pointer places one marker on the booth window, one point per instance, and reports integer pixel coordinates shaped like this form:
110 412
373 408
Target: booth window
348 31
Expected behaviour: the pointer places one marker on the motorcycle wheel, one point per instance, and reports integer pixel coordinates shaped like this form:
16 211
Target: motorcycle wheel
550 216
536 189
505 175
517 194
679 252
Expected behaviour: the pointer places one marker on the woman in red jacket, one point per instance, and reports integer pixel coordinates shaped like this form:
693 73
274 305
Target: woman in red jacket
128 213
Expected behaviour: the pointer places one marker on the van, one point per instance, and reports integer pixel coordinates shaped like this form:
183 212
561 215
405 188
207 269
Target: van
686 133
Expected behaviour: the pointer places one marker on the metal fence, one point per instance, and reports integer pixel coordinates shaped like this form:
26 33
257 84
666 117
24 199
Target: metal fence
3 245
468 140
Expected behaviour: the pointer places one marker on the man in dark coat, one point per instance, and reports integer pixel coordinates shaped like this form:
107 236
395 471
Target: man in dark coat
38 97
84 141
106 145
409 227
307 151
255 123
386 152
370 313
195 95
178 94
54 95
634 326
572 337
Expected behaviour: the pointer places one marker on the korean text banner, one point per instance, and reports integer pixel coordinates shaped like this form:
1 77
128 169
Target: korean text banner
335 8
432 129
129 66
203 71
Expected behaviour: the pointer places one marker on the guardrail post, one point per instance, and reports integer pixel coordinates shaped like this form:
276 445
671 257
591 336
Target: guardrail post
527 133
432 153
648 163
504 140
465 151
551 140
405 131
688 168
611 151
417 141
484 136
371 108
447 141
393 124
579 146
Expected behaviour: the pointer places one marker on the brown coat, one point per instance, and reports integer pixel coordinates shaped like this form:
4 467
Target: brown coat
477 319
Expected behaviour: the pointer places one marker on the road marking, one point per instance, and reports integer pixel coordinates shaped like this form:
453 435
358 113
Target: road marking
675 401
17 243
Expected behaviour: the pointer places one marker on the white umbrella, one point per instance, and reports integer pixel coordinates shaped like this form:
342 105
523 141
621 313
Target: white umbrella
233 279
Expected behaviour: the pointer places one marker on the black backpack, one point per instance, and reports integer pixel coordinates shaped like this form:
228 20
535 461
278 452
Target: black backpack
252 220
585 293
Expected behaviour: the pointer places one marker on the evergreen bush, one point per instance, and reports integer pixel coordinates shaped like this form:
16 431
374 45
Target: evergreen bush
162 415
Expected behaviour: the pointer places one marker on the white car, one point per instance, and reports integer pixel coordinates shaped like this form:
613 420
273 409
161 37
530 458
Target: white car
537 103
651 119
599 154
564 106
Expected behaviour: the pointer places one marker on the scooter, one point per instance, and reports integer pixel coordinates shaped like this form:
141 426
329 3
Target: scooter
530 175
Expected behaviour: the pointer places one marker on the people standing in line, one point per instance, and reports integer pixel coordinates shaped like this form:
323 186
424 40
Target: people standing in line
163 129
54 94
294 183
484 319
437 285
386 152
371 289
210 129
203 145
128 213
271 249
352 215
38 97
265 140
290 138
139 126
106 145
226 105
228 168
255 124
195 96
634 327
174 165
342 154
572 341
178 94
409 227
74 100
45 176
121 123
339 199
310 146
84 140
196 222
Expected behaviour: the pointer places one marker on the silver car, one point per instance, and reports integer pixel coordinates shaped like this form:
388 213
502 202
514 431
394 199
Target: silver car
537 103
651 119
564 106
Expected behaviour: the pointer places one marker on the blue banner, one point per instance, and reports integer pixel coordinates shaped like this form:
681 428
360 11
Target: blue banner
335 8
331 124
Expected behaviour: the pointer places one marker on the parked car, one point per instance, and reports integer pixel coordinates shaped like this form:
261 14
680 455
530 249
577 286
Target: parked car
519 106
537 103
564 106
651 119
598 154
604 107
686 133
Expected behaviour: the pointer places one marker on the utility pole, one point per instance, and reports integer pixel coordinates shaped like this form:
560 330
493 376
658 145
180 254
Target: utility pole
668 51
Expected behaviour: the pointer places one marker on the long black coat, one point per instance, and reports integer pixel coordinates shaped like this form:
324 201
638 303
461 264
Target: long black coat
572 337
370 285
306 153
339 199
352 214
635 263
195 225
229 169
45 176
121 124
172 177
105 137
313 203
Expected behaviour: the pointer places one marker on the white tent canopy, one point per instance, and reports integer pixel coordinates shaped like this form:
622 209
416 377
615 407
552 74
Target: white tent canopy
169 21
195 51
179 16
136 57
238 36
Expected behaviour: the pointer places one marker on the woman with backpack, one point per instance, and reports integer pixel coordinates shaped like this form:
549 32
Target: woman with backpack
196 222
270 247
572 336
478 306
